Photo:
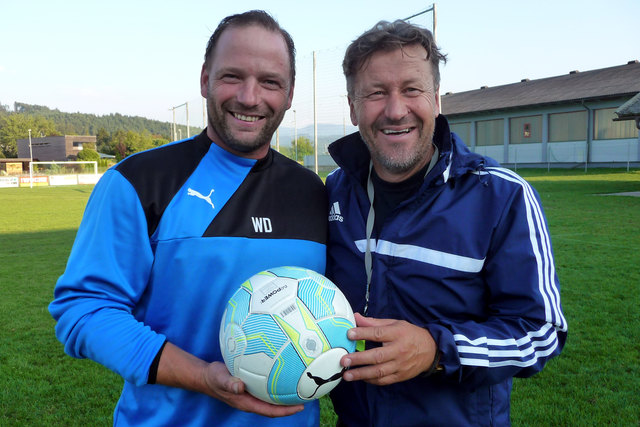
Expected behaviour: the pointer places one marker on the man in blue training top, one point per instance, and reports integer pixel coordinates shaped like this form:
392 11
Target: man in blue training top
170 234
445 255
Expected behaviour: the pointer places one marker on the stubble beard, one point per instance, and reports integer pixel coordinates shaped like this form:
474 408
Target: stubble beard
217 120
400 162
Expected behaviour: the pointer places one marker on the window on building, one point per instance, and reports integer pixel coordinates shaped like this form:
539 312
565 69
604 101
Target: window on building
568 126
463 130
490 132
525 130
606 128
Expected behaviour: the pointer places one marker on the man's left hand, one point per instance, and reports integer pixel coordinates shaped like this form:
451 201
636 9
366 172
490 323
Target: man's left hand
407 350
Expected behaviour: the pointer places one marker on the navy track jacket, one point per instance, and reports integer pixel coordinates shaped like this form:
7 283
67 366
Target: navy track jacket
469 258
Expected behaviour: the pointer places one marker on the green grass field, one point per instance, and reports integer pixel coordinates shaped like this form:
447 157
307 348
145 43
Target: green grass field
596 238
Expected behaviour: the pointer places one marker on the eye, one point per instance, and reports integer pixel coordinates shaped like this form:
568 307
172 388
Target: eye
375 94
412 91
229 78
272 84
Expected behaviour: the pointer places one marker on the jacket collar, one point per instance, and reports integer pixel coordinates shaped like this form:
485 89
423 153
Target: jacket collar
352 156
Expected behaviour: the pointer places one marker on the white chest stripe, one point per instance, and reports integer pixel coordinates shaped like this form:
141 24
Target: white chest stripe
428 256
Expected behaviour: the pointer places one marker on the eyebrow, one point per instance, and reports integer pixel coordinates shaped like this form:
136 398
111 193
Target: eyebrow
241 71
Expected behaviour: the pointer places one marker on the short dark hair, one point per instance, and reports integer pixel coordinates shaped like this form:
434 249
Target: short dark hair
388 36
252 17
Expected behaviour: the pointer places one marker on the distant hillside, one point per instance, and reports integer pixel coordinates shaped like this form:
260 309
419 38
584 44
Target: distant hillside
327 133
89 124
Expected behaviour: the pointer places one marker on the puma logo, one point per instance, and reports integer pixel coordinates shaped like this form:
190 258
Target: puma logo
192 192
321 381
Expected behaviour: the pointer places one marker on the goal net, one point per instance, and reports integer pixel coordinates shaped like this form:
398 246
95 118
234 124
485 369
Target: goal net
64 168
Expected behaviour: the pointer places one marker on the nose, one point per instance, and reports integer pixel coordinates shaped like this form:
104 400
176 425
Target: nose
248 93
396 107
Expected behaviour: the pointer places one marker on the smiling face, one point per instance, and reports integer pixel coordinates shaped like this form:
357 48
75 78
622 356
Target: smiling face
395 104
248 89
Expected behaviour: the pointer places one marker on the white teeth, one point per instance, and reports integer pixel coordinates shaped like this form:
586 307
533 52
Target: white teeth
395 132
246 118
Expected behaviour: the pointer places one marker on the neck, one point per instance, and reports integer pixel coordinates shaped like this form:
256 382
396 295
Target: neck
393 177
256 154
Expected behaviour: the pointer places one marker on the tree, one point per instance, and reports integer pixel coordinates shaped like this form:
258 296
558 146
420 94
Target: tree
158 140
16 126
88 155
302 148
120 150
103 141
4 110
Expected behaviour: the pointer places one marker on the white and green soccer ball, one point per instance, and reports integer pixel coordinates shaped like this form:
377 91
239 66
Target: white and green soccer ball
284 332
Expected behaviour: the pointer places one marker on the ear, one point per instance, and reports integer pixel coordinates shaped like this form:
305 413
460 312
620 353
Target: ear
290 97
352 112
437 112
204 81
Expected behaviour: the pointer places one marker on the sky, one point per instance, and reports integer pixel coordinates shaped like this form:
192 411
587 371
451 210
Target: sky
141 57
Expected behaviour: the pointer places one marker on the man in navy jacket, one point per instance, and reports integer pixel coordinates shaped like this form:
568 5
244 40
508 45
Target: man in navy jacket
445 255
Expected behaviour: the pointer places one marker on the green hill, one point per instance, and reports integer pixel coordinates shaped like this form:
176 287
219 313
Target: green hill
89 124
116 133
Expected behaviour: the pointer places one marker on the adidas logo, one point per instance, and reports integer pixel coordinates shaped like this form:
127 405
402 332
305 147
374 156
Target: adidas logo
334 213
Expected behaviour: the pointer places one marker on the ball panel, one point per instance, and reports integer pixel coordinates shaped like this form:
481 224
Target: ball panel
290 272
237 307
232 344
254 371
322 375
318 298
263 335
342 307
281 385
305 335
270 294
247 285
257 364
335 329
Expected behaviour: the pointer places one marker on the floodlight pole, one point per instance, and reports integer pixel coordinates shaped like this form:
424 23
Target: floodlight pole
30 162
435 23
433 9
204 114
315 116
186 105
344 117
173 124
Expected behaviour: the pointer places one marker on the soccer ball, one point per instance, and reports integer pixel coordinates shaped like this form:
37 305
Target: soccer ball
284 332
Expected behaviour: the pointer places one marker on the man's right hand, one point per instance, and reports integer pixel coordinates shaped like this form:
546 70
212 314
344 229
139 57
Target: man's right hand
177 368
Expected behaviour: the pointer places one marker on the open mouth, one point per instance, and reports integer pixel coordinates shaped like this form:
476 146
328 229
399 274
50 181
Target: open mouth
396 132
245 118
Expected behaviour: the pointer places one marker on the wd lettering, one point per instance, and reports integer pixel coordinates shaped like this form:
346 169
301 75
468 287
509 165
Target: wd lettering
261 225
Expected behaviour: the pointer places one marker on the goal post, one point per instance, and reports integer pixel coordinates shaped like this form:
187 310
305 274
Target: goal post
62 168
